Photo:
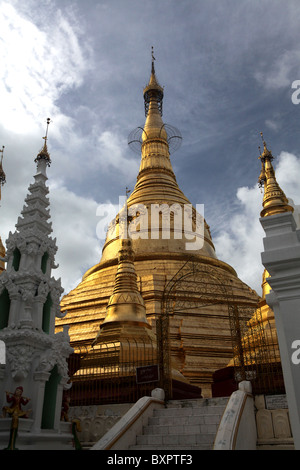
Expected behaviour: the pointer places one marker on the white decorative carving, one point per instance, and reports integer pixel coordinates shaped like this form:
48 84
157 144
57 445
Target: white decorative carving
56 355
20 359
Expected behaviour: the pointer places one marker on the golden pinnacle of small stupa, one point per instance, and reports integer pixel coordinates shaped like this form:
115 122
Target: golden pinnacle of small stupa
274 199
44 154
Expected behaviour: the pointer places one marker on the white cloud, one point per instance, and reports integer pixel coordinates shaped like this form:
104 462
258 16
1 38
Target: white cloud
38 66
240 244
111 152
287 175
74 226
41 61
273 124
279 75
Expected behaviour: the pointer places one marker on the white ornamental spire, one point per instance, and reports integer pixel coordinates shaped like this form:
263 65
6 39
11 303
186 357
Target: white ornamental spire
30 302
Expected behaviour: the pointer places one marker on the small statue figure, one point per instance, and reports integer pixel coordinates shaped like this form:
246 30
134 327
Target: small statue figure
16 399
76 427
14 410
65 408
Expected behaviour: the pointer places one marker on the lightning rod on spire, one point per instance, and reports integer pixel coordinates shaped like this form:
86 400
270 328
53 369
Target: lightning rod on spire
48 122
152 53
2 174
2 151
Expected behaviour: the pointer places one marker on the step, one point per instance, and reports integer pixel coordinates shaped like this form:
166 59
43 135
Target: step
171 447
181 429
180 412
175 439
182 425
276 444
185 420
198 402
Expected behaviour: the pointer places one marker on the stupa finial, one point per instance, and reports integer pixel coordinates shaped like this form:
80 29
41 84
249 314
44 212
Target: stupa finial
153 59
44 154
2 174
274 200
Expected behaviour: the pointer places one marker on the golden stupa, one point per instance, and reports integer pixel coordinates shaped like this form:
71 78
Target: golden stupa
259 348
274 202
125 318
194 302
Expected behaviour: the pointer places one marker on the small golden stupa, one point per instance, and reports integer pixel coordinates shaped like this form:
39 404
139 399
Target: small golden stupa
199 335
259 344
125 318
274 202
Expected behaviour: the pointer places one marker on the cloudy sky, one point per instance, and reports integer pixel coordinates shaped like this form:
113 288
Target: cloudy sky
227 66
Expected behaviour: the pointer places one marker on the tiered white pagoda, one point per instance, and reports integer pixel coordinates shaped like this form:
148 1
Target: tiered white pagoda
36 370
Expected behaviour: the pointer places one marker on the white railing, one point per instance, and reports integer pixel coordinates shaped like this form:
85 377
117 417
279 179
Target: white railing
237 429
123 433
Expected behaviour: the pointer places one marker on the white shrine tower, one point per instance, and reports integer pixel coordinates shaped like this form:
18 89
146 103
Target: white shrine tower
36 358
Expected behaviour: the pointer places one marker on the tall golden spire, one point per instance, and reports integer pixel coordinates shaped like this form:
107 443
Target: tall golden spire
2 182
153 92
154 137
156 175
274 200
156 186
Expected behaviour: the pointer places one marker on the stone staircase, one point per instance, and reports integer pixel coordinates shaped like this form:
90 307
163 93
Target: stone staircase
183 424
